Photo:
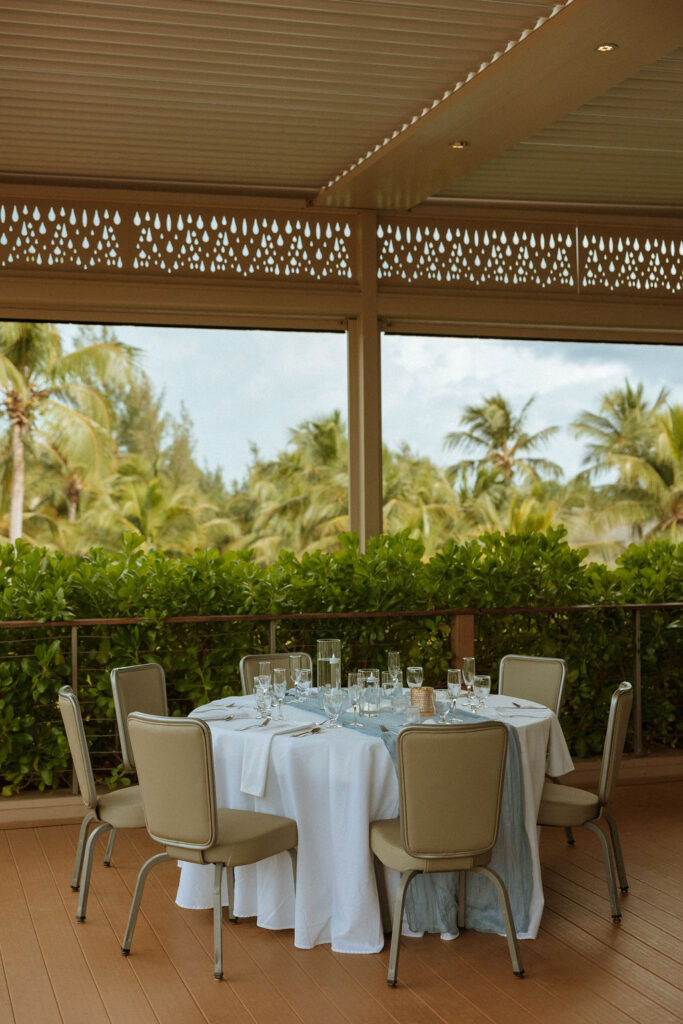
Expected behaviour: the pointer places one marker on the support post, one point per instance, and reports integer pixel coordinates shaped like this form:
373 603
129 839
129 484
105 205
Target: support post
365 395
272 636
462 638
637 688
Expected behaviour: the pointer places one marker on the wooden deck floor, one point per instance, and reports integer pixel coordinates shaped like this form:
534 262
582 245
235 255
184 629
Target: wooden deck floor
581 968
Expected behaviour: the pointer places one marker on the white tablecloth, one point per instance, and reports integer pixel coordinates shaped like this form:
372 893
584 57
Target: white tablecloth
334 783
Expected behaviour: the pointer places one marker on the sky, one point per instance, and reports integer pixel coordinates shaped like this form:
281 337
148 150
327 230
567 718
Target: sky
244 387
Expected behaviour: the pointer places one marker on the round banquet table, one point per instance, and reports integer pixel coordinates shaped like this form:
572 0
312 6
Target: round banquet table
334 783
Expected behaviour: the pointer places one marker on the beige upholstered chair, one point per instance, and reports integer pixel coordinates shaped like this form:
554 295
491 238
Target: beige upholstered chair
450 790
569 807
538 679
250 662
120 809
137 688
175 767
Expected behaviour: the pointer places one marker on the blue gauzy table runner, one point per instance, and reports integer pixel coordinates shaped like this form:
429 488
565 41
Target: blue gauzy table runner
432 900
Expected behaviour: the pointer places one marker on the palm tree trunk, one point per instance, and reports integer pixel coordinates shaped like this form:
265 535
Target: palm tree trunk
16 513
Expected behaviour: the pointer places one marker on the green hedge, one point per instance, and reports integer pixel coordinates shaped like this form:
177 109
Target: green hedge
201 661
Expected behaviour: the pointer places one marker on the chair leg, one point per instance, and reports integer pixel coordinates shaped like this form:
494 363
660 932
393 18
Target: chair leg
86 871
230 873
137 897
618 855
110 848
293 857
510 931
218 917
78 863
462 898
609 869
399 904
570 837
382 896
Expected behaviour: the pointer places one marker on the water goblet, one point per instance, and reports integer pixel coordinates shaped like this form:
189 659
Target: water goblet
304 683
468 672
333 703
279 688
296 664
394 664
354 698
482 688
454 683
388 684
414 676
442 705
262 702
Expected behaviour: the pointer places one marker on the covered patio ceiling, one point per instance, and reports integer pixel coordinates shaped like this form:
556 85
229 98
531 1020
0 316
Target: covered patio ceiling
348 103
477 167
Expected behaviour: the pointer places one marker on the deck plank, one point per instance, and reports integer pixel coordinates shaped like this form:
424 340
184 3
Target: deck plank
75 990
98 936
582 968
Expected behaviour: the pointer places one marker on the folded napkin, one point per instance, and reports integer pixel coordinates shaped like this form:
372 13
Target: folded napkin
256 755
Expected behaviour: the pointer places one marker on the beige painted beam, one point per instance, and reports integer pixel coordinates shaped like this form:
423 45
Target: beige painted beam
547 75
365 397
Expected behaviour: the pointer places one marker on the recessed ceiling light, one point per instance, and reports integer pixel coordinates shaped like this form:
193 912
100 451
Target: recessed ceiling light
460 144
607 47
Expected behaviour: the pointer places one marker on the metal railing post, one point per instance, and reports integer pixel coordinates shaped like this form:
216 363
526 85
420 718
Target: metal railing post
74 687
637 688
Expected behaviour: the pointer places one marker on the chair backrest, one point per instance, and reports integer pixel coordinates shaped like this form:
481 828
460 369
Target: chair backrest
538 679
174 763
70 711
450 787
617 723
250 662
137 688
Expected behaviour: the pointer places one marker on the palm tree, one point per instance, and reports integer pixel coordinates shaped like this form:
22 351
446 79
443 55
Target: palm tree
50 394
621 434
640 444
500 438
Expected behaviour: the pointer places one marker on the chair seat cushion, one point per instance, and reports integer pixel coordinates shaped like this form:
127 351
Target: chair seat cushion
243 837
567 806
122 808
385 843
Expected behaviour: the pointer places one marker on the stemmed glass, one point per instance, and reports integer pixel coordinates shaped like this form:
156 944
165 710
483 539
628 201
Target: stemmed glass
279 688
296 664
414 675
454 682
333 702
304 682
394 665
468 671
482 688
355 689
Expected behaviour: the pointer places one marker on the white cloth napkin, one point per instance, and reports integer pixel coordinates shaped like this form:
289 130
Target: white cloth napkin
256 756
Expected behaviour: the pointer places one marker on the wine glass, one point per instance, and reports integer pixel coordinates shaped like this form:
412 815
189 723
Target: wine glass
414 676
468 671
333 702
394 665
442 704
388 684
264 670
296 664
304 682
354 698
280 688
454 683
482 688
